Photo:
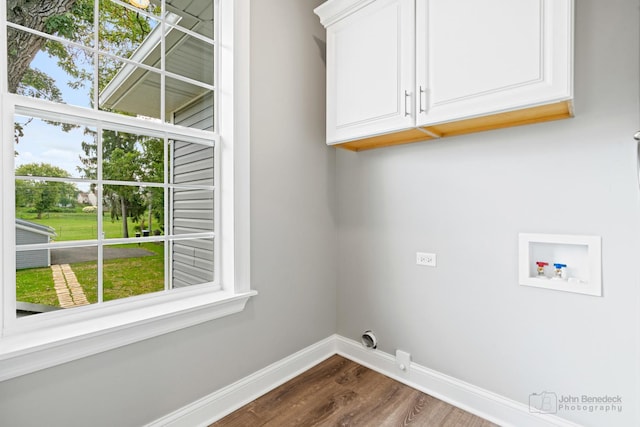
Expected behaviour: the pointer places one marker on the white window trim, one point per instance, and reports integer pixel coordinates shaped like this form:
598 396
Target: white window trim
36 343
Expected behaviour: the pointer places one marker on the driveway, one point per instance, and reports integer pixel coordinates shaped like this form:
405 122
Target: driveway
73 255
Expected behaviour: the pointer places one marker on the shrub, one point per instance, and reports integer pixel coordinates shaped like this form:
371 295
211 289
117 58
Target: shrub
90 209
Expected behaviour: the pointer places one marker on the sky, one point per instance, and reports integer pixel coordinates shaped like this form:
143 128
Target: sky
46 143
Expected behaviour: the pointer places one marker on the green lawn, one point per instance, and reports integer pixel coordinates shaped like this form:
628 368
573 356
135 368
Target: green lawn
77 225
122 278
35 285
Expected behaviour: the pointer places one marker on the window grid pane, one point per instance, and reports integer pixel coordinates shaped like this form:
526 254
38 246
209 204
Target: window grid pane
106 59
188 177
170 206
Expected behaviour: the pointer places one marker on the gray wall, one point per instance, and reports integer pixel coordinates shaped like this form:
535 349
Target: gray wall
293 241
467 198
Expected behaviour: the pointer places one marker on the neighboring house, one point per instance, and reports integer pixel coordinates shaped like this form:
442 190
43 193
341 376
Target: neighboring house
29 233
193 164
133 89
87 199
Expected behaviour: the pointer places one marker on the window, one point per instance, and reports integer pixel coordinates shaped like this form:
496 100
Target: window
124 173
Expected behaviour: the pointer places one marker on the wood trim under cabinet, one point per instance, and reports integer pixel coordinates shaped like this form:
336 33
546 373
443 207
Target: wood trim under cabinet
395 138
538 114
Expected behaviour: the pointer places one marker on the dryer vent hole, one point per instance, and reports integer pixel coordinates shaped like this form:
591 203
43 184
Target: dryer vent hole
369 340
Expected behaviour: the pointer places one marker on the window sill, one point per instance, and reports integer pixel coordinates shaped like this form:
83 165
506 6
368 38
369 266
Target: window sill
27 348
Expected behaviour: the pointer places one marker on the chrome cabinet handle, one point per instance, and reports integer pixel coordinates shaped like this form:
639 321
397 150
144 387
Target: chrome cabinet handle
406 109
421 109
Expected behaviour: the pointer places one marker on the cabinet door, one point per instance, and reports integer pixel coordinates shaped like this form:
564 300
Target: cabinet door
479 57
371 71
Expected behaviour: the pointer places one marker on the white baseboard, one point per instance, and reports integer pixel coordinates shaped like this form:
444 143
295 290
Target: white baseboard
468 397
478 401
222 402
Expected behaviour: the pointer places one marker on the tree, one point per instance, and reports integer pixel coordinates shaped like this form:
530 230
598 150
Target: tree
120 31
153 171
121 161
22 46
41 194
132 158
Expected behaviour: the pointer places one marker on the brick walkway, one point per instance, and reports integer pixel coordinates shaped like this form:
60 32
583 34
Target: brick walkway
70 293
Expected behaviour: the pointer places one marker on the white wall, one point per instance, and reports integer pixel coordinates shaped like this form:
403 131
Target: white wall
467 198
293 264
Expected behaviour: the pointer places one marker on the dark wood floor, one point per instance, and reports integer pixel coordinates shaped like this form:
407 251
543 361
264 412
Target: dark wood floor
339 392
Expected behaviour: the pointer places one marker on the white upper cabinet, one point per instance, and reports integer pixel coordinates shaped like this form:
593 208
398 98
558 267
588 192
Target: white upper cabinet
370 85
478 57
409 70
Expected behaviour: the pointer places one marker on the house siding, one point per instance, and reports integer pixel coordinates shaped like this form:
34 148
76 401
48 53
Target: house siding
193 260
35 258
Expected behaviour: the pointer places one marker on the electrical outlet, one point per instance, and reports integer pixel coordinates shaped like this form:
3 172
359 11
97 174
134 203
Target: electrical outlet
424 258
